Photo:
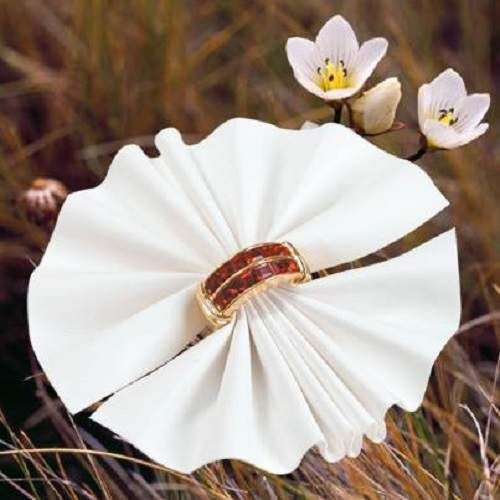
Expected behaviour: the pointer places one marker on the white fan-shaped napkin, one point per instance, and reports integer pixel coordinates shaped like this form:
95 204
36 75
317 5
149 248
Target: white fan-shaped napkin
314 364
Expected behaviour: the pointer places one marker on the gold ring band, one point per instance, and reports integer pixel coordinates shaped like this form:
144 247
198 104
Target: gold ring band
246 274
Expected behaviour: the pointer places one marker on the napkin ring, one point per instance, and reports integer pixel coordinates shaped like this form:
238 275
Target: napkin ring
246 274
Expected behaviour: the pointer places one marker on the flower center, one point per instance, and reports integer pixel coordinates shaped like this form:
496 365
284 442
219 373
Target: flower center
447 116
332 76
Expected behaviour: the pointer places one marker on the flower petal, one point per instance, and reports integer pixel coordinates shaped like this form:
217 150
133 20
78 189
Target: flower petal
471 111
440 135
337 41
445 91
344 93
369 55
303 57
424 103
473 134
350 199
305 60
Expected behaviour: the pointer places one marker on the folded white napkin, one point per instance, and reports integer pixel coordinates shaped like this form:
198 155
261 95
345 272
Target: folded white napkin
314 364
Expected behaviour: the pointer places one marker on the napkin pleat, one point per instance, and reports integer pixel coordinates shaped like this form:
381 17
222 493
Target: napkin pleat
181 163
411 317
345 408
86 363
380 207
182 415
289 374
334 195
245 169
292 428
327 174
91 236
135 190
114 296
370 398
336 430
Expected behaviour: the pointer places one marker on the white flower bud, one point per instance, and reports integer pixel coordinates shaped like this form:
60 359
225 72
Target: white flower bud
374 112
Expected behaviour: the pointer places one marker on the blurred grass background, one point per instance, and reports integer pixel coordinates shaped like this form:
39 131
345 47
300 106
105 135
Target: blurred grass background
80 78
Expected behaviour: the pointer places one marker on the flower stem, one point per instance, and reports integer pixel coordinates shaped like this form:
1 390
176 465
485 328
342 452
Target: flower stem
416 156
337 113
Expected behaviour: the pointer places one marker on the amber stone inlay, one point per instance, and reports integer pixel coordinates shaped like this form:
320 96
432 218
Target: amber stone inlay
241 260
240 283
248 272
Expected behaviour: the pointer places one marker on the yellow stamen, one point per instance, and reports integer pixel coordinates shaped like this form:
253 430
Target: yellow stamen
332 76
447 116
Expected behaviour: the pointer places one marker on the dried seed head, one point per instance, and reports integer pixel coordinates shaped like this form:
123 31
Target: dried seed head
43 200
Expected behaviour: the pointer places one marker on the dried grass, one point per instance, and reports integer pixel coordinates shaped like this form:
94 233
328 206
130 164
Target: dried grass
76 77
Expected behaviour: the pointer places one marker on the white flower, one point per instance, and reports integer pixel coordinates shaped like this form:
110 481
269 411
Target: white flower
374 112
334 66
447 116
113 299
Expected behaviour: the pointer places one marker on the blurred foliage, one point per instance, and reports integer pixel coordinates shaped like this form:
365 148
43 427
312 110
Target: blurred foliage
80 78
